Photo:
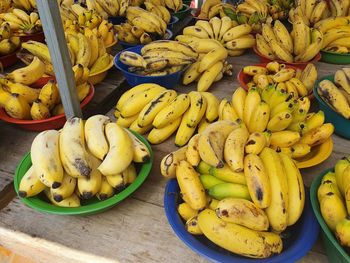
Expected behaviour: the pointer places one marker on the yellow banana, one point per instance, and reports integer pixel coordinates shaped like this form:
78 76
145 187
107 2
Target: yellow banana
30 184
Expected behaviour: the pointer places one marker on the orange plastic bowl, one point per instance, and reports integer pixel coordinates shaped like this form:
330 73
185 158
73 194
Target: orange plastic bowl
9 60
55 122
300 65
40 37
243 78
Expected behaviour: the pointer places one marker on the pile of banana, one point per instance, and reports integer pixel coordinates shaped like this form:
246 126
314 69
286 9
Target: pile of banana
337 94
296 82
159 10
150 107
212 8
142 26
333 197
83 160
174 5
108 8
159 58
336 35
20 101
265 186
313 11
21 23
8 42
27 5
86 49
235 38
302 45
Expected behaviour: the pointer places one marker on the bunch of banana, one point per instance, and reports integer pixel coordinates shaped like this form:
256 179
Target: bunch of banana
213 8
235 38
311 11
334 199
21 23
298 82
8 42
302 45
84 48
150 107
161 10
133 34
336 39
174 5
108 7
83 160
27 5
159 58
20 101
264 185
250 7
337 94
279 9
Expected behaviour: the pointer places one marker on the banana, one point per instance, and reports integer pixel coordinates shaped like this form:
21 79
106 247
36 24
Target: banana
95 135
132 59
91 185
281 52
249 215
277 211
296 191
284 138
170 45
27 93
100 64
209 181
209 75
283 37
226 190
207 27
300 32
332 209
158 135
202 125
342 231
192 226
172 112
120 152
65 190
171 161
71 201
328 184
190 185
258 182
252 100
233 237
280 121
184 132
238 101
212 58
341 79
30 184
49 94
207 5
196 111
234 148
48 170
256 142
117 181
39 111
315 121
211 112
263 47
192 154
318 135
212 140
141 152
259 118
244 42
236 32
17 107
283 75
225 173
186 212
215 23
339 168
29 74
126 121
205 45
136 103
313 49
309 76
93 43
299 150
334 34
254 70
106 190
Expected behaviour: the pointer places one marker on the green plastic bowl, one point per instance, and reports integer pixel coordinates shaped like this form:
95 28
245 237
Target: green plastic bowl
335 58
334 250
88 207
341 124
185 11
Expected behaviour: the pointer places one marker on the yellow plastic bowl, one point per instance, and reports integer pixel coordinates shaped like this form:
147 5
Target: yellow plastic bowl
100 76
317 155
110 46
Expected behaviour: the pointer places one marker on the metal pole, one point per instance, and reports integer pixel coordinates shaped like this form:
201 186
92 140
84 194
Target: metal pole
56 41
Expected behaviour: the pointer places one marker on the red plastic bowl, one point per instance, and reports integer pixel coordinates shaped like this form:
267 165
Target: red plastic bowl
243 78
41 82
40 37
55 122
9 60
300 65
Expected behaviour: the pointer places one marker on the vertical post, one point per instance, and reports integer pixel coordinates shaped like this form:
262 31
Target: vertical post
56 41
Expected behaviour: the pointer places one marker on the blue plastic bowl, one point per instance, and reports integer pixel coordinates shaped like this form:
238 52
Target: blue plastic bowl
117 20
125 45
341 124
173 21
168 81
297 239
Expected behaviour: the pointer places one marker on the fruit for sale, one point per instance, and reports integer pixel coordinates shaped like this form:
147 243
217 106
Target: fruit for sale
8 42
21 23
301 46
30 184
66 188
186 212
242 212
342 232
238 239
